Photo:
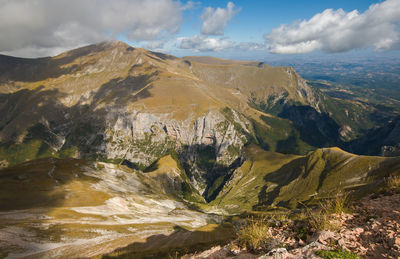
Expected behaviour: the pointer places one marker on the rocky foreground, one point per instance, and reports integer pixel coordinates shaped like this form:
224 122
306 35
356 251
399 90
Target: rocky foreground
370 230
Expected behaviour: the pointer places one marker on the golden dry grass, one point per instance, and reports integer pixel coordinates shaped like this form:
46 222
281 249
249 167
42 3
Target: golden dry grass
393 182
254 235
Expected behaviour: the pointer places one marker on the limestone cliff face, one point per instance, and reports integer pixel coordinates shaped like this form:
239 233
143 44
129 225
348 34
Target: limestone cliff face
142 138
131 135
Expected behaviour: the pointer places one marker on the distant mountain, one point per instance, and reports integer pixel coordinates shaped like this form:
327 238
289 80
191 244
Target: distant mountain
383 140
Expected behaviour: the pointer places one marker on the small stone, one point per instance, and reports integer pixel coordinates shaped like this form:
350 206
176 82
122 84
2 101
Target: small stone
323 236
235 251
341 242
358 230
390 234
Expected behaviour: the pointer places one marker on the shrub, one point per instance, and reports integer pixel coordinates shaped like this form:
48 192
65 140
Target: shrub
319 220
254 235
174 256
338 204
393 182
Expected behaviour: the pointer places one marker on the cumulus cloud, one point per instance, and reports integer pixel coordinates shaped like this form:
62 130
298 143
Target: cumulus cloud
42 27
339 31
203 43
215 20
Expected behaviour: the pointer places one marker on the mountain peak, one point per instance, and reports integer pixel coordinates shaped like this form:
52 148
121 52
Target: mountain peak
95 48
115 44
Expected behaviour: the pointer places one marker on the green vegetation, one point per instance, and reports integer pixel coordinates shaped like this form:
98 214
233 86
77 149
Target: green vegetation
280 135
234 150
267 180
190 194
216 185
18 153
69 152
337 254
150 147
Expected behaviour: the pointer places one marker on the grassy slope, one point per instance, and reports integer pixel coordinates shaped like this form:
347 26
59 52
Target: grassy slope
241 192
268 179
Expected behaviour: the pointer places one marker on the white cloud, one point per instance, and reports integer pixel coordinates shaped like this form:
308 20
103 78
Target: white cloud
42 27
156 45
251 46
203 43
215 20
338 31
190 5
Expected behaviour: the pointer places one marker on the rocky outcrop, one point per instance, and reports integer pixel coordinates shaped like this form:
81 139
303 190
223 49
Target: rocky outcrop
142 138
371 230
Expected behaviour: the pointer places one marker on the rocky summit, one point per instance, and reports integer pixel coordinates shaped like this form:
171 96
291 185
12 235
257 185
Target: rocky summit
114 151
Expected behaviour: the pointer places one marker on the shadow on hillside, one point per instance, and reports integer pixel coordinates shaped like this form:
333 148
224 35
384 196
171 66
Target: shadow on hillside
316 129
203 158
33 192
38 183
281 177
179 242
38 69
373 141
163 56
35 122
289 145
122 89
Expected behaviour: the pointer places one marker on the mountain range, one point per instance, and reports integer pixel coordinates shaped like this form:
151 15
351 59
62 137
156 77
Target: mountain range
108 143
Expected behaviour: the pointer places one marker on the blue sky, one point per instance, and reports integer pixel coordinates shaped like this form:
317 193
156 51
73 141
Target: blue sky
241 29
257 17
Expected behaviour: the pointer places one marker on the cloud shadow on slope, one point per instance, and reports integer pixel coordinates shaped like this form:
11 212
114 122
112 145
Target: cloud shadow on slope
180 241
38 69
35 123
316 129
281 177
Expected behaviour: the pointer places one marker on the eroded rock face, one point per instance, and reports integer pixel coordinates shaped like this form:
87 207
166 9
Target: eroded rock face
142 138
